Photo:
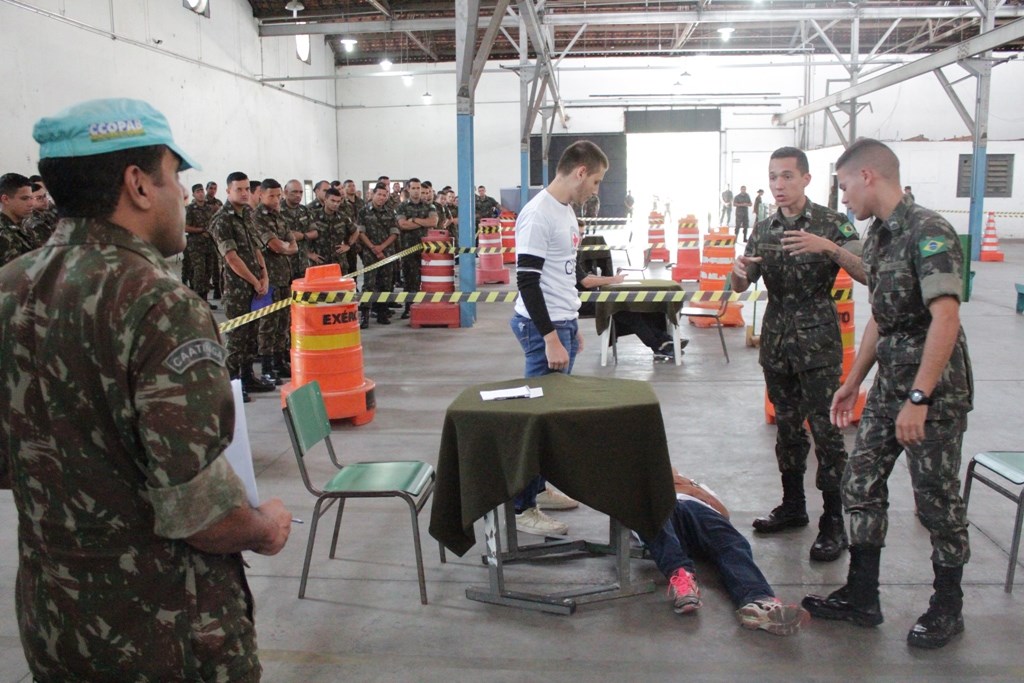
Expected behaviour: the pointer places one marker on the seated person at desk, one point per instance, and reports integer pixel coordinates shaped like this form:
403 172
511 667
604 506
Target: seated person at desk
649 327
700 525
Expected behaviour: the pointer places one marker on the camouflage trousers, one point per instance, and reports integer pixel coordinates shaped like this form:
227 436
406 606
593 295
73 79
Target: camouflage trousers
379 279
807 396
241 341
273 335
199 268
411 272
934 466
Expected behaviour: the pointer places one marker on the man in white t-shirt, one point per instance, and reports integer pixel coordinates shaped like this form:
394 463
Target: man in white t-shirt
546 313
699 526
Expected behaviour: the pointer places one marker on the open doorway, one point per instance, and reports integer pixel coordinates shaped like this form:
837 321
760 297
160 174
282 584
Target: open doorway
677 170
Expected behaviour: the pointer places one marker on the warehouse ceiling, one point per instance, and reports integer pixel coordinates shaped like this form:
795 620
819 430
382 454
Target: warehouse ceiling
407 31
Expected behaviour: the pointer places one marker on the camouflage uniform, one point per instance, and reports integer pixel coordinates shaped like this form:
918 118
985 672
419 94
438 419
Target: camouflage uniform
410 238
41 224
200 267
233 231
299 219
15 240
350 210
378 224
335 229
801 350
911 259
591 208
314 206
119 410
273 329
485 207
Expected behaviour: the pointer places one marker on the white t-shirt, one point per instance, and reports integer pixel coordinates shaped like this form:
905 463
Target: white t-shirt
548 229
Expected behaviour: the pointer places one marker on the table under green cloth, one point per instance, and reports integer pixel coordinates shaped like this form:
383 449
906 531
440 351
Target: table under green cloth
606 309
601 441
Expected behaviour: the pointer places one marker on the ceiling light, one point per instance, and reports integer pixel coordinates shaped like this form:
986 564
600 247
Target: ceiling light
428 98
198 6
348 43
726 32
386 64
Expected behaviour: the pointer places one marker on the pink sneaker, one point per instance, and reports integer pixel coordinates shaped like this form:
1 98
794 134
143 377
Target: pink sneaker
682 588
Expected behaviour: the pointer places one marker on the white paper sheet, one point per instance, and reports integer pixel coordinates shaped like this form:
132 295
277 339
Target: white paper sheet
238 452
515 392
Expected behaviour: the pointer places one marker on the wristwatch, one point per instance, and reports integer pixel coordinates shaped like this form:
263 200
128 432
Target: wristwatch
919 398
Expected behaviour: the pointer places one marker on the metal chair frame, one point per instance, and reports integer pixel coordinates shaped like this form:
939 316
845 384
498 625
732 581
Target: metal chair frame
1014 475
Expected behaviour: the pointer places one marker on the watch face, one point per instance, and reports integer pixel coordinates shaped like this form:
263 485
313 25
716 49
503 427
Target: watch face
917 397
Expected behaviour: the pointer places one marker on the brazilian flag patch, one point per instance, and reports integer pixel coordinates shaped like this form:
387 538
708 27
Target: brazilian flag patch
846 229
932 246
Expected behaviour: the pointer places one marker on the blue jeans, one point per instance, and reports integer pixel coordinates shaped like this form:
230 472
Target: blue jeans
695 529
536 365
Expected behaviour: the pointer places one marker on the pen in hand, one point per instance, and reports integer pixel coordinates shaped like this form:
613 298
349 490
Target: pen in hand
296 520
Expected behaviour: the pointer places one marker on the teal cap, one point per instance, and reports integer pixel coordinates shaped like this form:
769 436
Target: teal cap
105 126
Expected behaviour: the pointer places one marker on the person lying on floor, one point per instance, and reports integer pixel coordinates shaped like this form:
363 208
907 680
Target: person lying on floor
699 526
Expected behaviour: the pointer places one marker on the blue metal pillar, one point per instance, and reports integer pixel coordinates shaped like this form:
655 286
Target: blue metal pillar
467 216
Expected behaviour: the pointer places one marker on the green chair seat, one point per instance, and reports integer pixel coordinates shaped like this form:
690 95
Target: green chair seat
409 476
1007 464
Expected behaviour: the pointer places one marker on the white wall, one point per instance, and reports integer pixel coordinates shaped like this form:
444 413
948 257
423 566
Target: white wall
218 113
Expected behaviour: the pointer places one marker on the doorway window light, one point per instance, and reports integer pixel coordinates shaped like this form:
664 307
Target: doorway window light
302 48
200 7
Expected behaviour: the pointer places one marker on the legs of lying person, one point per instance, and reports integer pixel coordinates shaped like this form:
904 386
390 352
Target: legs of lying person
696 530
651 329
529 518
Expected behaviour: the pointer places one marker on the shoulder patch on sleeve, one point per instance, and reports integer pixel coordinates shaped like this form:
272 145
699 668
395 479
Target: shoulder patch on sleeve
846 229
188 354
932 245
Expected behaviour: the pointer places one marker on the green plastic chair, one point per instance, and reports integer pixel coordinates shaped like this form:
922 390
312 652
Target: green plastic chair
1009 465
410 480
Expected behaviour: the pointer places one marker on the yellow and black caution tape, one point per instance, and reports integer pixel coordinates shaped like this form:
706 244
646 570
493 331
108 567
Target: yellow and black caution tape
590 220
659 296
235 323
997 214
446 248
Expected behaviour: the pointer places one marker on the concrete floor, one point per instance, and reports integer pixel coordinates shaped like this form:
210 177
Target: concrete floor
362 619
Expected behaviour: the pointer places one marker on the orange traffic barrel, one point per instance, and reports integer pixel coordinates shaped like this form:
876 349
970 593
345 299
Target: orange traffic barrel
656 236
489 266
507 219
327 347
687 265
437 275
716 265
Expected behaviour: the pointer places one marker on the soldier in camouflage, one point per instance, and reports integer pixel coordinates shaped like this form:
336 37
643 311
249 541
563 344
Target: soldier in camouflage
350 205
245 278
201 253
336 232
135 571
211 195
278 249
378 231
43 220
414 218
801 350
299 221
318 196
919 401
15 207
486 207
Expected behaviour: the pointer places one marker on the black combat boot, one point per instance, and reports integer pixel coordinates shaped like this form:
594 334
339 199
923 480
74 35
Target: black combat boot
857 601
831 540
406 313
282 368
245 394
383 315
267 370
252 383
793 511
944 618
364 318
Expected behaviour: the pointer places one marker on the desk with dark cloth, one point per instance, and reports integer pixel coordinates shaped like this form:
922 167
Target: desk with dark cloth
601 441
666 312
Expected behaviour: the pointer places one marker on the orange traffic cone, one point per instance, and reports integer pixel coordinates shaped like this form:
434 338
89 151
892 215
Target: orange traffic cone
990 242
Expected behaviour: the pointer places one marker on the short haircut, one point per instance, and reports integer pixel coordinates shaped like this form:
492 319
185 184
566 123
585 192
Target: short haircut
582 153
868 152
210 184
254 185
36 187
411 180
382 177
320 184
332 192
35 178
335 183
197 186
481 187
12 182
294 180
381 186
427 184
90 186
793 153
236 176
270 184
347 181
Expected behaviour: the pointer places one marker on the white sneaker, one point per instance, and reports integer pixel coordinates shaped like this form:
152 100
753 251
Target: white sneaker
533 521
550 499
